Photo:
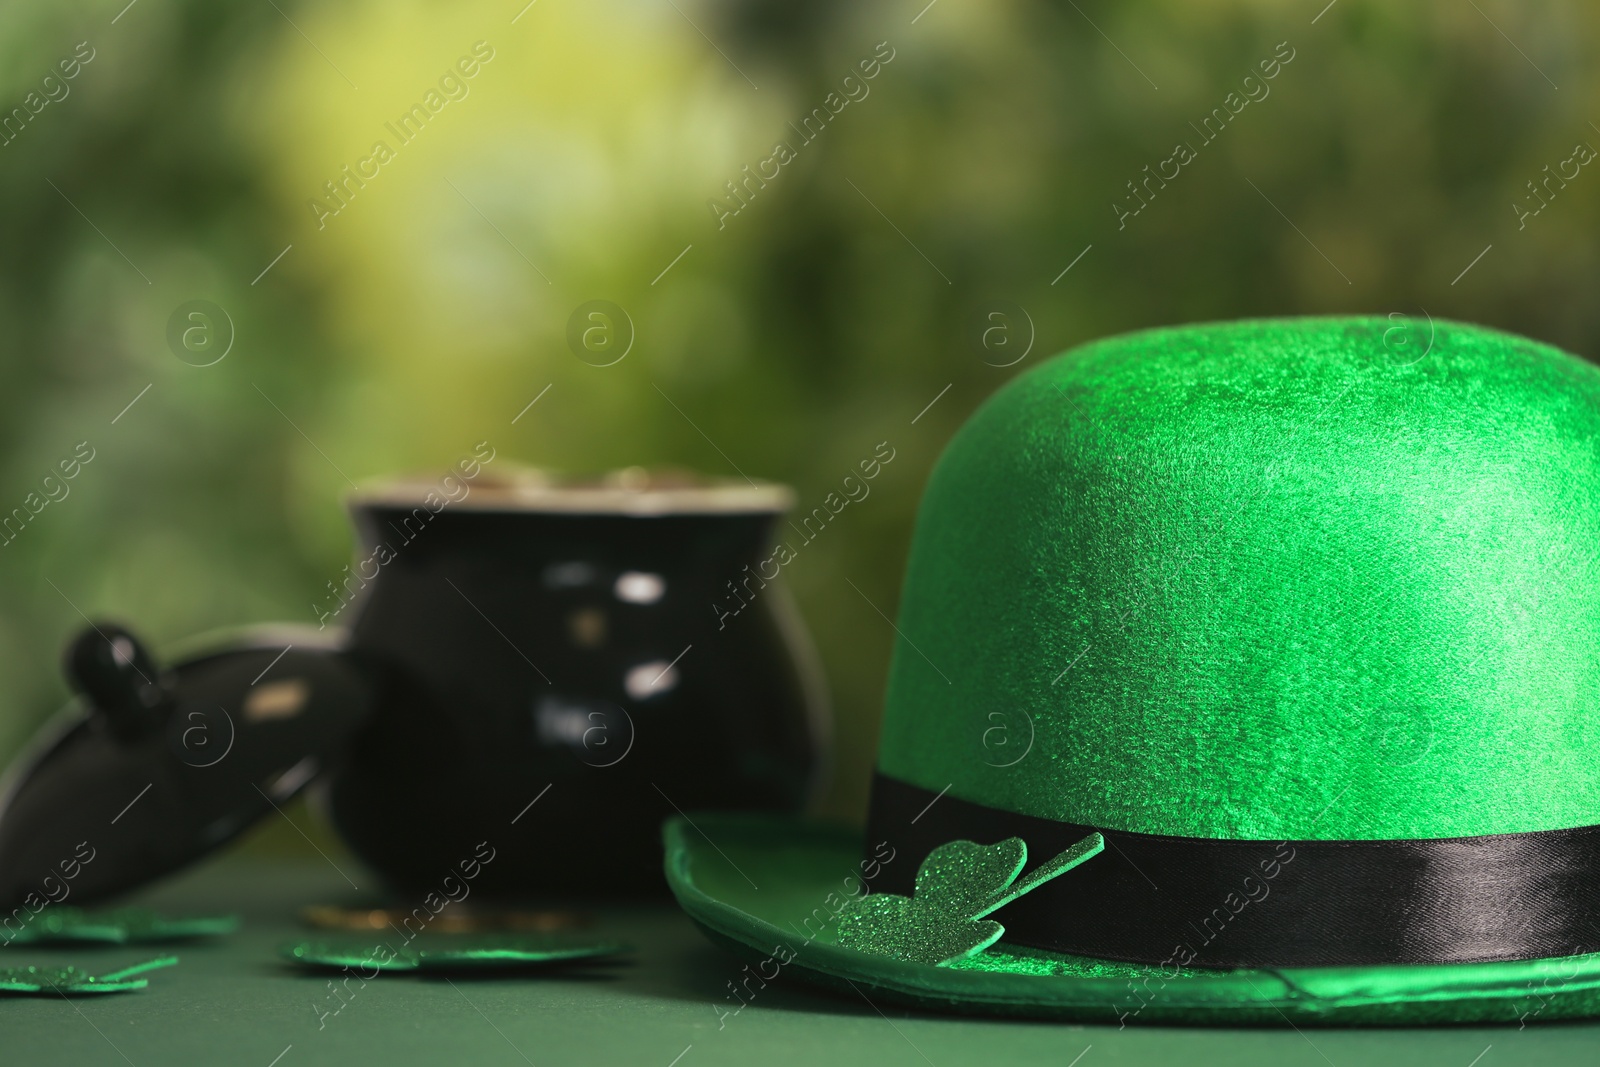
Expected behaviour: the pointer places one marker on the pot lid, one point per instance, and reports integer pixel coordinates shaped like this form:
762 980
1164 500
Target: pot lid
150 769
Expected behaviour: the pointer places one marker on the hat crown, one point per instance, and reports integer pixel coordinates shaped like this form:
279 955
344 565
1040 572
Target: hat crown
1305 579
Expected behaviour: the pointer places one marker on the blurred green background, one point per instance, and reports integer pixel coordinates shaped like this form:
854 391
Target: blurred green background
983 159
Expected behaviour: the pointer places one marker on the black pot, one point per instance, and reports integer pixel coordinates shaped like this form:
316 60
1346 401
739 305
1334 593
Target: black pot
558 673
534 678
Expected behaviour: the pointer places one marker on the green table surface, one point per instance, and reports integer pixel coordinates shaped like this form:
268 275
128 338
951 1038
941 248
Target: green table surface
232 1001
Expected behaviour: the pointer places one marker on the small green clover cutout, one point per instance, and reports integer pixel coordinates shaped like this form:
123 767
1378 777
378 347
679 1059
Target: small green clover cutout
123 926
957 885
454 953
70 981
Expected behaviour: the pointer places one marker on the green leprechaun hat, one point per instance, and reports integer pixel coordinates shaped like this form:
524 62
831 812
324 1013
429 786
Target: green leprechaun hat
1246 673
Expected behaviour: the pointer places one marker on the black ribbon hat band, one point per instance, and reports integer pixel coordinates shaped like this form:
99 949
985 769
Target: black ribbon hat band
1183 901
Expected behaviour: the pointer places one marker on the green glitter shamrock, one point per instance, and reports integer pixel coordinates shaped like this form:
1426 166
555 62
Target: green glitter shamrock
957 885
69 981
452 953
122 926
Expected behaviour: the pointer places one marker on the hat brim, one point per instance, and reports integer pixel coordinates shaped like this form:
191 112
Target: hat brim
767 889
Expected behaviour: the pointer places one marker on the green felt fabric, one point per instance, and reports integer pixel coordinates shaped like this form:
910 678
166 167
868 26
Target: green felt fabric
772 891
1263 580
